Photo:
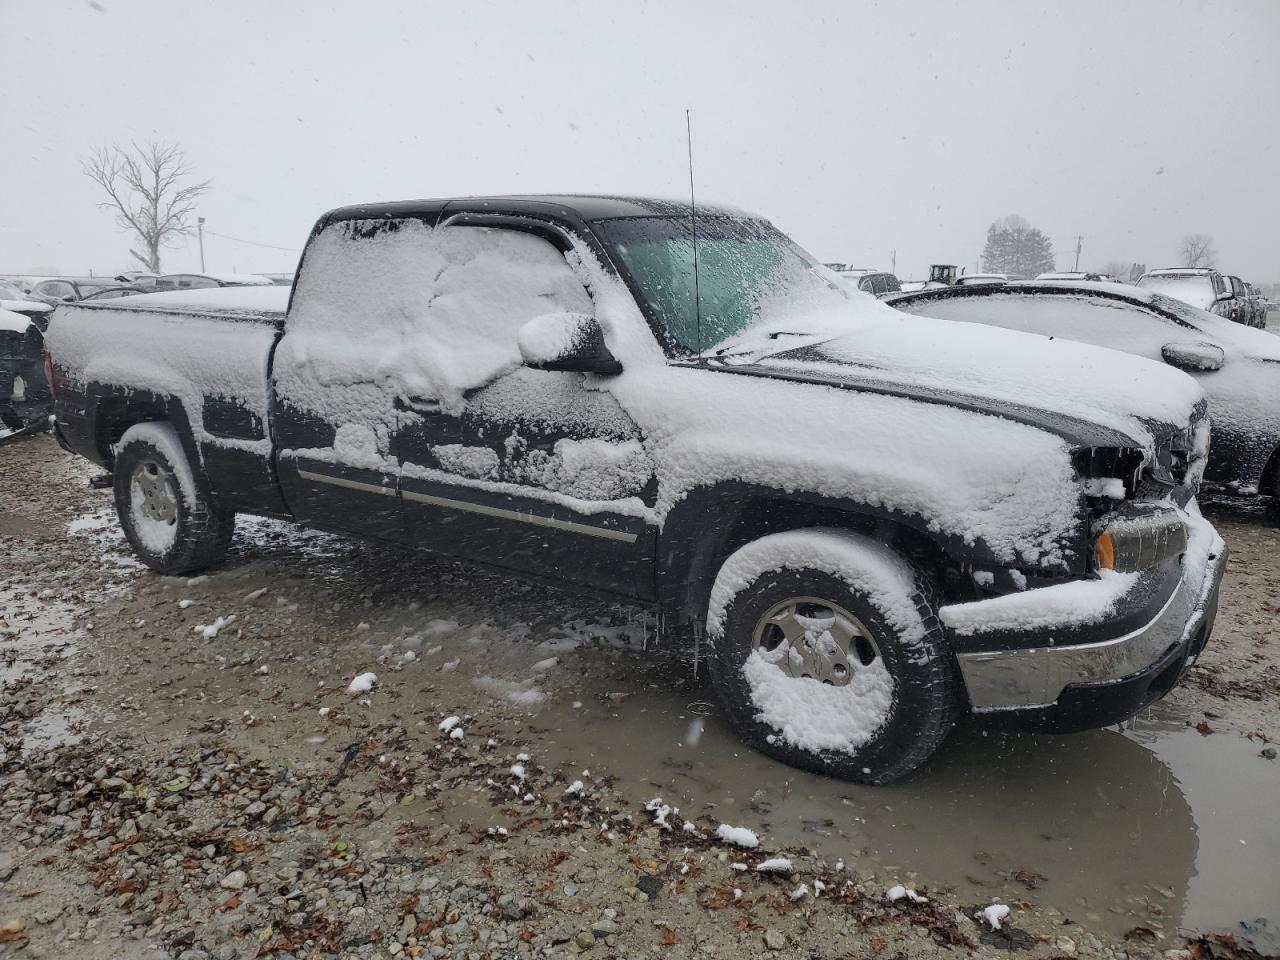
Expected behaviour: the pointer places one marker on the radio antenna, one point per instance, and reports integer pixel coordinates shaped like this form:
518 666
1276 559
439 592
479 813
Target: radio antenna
693 229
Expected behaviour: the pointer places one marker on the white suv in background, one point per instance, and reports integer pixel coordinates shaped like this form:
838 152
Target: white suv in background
1199 286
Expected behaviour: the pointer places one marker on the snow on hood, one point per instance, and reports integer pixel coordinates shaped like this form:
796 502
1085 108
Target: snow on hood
1125 393
26 306
14 322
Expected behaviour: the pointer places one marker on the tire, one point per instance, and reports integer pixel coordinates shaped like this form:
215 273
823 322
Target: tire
884 694
165 507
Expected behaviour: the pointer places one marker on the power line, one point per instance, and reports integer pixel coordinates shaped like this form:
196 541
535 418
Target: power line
252 243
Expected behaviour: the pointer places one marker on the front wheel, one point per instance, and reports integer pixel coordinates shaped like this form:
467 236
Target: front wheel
828 655
165 507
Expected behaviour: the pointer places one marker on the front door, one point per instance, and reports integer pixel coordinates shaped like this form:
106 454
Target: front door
538 471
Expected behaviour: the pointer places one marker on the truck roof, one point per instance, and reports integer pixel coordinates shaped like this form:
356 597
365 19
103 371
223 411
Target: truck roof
589 207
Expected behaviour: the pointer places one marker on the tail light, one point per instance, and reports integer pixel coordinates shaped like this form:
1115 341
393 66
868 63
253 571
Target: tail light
48 374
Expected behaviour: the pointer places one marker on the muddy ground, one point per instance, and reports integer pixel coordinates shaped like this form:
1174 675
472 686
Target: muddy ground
184 774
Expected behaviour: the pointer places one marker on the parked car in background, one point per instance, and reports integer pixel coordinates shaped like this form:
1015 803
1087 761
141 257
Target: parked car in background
205 281
1069 275
1201 287
15 300
878 283
115 293
1238 368
1257 306
969 279
137 278
279 279
877 522
24 393
55 290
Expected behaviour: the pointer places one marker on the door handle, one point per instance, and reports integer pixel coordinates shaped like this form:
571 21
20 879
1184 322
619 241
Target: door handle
418 404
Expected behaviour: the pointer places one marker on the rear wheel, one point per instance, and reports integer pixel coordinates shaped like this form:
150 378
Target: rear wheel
165 507
827 654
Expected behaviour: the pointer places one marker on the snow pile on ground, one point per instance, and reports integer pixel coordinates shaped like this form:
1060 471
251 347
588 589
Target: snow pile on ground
211 630
362 683
774 865
899 892
521 693
739 836
660 812
995 914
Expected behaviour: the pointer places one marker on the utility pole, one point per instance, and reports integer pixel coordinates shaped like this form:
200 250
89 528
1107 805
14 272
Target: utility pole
200 230
1079 245
893 262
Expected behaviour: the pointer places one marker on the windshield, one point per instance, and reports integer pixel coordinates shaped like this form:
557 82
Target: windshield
1193 288
748 272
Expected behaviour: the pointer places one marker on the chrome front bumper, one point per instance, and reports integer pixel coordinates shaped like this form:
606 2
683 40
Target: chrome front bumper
1035 677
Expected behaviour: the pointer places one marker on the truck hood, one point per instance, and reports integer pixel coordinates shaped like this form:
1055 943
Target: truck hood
1087 395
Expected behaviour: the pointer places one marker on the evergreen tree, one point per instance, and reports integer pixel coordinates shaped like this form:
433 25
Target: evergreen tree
1014 246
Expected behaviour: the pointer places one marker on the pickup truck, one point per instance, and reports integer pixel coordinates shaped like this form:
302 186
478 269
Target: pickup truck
864 524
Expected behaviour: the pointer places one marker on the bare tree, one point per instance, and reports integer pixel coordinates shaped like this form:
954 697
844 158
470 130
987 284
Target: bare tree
1122 270
1197 250
150 190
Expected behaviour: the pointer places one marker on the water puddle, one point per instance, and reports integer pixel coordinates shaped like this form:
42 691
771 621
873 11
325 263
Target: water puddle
1155 825
37 635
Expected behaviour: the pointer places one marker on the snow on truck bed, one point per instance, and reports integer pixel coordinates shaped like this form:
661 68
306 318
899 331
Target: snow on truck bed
261 301
191 354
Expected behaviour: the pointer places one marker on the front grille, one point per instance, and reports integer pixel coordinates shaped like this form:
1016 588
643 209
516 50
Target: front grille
1178 464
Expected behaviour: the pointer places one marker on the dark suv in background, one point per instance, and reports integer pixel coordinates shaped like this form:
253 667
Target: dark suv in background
875 282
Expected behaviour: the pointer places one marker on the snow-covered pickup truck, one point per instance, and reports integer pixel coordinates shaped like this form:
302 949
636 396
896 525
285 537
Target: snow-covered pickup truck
864 523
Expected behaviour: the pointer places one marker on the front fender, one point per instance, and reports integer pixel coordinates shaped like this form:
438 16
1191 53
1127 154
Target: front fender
712 521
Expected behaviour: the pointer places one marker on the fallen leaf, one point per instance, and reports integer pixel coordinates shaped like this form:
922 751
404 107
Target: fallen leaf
1203 729
669 938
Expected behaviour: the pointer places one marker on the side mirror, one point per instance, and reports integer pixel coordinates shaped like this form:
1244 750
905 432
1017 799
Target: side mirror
1226 294
1193 355
566 341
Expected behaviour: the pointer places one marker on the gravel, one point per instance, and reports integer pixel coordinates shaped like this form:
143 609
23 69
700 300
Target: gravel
157 801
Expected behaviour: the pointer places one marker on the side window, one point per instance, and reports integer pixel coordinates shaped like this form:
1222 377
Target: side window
422 312
878 285
56 288
865 285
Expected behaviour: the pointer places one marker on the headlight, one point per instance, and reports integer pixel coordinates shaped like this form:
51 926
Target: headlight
1130 543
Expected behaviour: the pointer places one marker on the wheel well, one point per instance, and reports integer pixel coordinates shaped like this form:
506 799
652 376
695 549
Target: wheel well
754 517
115 415
1271 476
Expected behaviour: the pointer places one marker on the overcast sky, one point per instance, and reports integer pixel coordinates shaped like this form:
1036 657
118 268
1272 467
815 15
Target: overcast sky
859 128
